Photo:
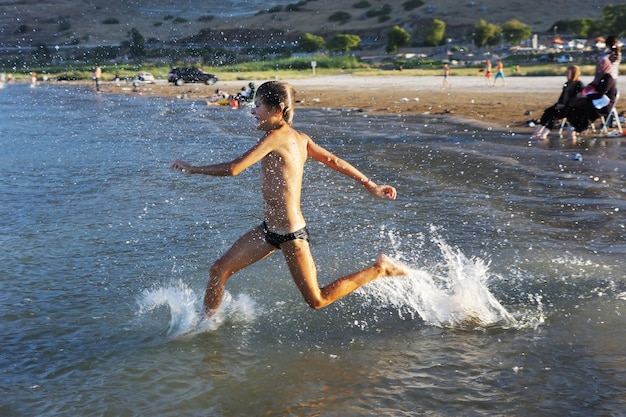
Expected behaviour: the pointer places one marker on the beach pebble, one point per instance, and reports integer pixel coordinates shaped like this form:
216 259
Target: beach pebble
577 157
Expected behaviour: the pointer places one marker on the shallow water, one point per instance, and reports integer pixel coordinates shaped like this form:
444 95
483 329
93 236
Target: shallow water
514 305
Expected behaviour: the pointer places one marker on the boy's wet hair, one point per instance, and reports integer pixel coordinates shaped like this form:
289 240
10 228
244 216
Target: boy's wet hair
278 95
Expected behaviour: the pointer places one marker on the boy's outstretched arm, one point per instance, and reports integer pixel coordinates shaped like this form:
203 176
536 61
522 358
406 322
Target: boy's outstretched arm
233 168
220 170
330 160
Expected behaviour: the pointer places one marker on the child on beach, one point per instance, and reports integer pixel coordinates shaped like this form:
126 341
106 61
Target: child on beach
282 152
488 72
446 74
499 73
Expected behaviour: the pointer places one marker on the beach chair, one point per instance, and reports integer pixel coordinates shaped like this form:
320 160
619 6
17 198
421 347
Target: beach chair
612 120
605 122
565 124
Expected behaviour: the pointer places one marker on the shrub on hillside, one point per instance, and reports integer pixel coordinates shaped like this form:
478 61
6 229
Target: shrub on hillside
363 4
64 25
379 11
412 4
295 7
341 17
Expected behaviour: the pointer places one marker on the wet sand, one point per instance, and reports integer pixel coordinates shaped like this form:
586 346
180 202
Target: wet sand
468 99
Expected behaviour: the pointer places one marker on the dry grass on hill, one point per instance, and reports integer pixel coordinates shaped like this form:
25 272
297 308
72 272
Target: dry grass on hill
86 18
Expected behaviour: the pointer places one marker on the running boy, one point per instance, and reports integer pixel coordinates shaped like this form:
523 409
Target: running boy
282 152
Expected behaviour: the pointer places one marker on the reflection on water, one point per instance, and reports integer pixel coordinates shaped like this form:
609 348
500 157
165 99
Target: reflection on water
514 305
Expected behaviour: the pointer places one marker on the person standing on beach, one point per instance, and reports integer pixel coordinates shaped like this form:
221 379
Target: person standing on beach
488 72
613 52
499 73
97 74
446 74
282 152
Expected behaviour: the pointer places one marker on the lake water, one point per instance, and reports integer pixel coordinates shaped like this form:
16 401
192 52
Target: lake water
515 305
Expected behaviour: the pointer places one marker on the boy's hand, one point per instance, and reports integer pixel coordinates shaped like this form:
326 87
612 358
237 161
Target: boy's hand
382 191
180 166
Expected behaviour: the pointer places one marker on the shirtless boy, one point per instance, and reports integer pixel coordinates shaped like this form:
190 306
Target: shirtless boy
282 152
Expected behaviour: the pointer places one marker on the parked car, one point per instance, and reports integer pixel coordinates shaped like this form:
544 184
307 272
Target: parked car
565 59
146 77
180 76
142 78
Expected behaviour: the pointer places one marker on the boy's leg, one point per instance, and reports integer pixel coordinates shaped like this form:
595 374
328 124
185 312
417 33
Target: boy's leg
303 271
247 250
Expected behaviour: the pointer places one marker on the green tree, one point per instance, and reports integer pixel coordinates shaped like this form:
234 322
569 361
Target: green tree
311 43
397 37
436 33
614 19
497 36
485 34
137 44
515 31
343 43
585 27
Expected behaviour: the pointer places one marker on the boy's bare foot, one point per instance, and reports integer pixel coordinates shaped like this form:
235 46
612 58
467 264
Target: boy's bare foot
389 268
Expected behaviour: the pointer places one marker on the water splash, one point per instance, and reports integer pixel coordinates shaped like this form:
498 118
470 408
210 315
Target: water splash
185 307
451 294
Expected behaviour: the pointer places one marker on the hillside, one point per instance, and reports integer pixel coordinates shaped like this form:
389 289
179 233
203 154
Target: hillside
90 22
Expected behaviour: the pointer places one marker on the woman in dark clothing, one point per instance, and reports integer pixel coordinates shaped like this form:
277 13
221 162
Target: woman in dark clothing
597 99
559 110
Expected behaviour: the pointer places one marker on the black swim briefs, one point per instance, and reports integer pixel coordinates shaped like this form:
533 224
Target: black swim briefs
276 239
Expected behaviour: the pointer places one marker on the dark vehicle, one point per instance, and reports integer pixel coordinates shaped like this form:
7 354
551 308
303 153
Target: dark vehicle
180 76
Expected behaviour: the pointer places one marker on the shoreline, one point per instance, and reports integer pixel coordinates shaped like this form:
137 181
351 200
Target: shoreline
469 100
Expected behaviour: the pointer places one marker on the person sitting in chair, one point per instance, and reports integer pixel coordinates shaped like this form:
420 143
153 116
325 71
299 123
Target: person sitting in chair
560 109
595 100
246 95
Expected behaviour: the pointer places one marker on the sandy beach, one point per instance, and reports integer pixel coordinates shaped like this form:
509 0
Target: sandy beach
468 99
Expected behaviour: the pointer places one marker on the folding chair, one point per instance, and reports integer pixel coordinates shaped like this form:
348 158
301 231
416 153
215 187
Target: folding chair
606 122
564 124
612 120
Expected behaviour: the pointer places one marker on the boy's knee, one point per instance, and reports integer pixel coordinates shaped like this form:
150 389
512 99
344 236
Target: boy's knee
214 270
217 273
316 303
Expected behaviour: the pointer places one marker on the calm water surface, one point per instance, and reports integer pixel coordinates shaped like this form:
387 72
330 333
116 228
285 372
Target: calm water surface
514 307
